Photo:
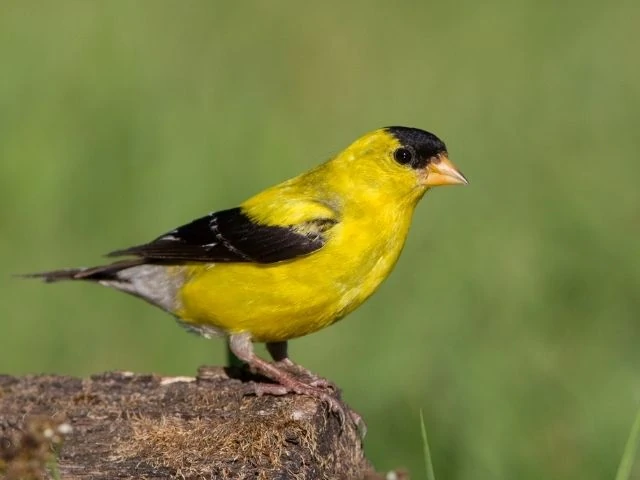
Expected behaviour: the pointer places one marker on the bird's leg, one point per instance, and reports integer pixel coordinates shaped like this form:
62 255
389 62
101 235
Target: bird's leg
242 347
278 351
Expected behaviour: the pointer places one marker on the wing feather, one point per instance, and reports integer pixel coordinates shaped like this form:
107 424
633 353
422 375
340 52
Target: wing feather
232 236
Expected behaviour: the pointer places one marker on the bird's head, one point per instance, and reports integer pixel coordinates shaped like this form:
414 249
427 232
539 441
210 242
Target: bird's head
399 162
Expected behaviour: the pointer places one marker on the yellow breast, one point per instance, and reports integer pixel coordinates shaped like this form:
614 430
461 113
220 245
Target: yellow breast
280 301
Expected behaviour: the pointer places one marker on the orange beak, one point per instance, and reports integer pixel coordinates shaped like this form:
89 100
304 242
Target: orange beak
440 171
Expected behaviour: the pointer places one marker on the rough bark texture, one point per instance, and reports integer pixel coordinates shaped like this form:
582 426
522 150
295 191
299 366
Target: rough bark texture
127 425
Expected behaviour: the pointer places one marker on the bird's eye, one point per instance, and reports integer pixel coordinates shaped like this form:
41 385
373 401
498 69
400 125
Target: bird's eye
403 156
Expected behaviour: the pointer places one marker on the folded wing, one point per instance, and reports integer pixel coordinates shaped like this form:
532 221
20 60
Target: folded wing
232 236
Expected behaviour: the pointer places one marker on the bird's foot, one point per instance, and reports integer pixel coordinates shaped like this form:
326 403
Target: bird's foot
333 401
313 380
286 381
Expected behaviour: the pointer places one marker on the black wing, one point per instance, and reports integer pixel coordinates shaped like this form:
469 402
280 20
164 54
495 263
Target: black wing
231 236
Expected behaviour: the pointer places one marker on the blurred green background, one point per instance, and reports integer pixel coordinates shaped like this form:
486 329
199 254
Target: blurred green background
513 316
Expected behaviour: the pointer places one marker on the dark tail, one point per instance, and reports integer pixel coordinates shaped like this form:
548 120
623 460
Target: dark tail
103 272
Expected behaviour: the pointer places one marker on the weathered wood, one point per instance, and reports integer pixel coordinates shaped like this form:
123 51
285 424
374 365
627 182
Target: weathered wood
127 425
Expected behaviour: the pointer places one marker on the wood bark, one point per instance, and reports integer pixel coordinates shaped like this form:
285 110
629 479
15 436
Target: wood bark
124 425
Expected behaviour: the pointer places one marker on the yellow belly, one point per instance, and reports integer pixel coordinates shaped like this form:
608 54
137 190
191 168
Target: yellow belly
280 301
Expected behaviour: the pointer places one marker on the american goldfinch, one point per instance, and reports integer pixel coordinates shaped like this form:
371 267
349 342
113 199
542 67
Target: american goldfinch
291 260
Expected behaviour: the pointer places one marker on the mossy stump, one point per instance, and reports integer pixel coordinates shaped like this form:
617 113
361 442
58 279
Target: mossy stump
124 425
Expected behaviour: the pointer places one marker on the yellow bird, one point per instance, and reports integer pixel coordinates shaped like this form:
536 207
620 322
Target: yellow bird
291 260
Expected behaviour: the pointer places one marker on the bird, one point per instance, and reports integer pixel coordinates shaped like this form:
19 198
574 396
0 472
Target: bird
291 260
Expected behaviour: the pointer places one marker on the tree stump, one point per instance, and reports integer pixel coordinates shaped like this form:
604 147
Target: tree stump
125 425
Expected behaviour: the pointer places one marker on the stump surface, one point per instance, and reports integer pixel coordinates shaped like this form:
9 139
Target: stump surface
128 425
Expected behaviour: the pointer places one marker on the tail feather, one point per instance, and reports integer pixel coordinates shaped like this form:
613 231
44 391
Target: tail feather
100 273
152 282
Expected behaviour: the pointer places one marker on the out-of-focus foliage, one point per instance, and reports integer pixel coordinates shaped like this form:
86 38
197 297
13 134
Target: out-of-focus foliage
513 316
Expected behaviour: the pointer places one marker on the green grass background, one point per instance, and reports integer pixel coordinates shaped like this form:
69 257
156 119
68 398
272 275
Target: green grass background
513 316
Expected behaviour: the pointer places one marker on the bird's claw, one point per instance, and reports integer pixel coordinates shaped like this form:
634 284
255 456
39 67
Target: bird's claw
313 380
359 423
323 384
329 398
260 389
342 411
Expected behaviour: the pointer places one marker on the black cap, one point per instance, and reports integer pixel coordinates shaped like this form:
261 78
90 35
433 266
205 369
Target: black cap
421 144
